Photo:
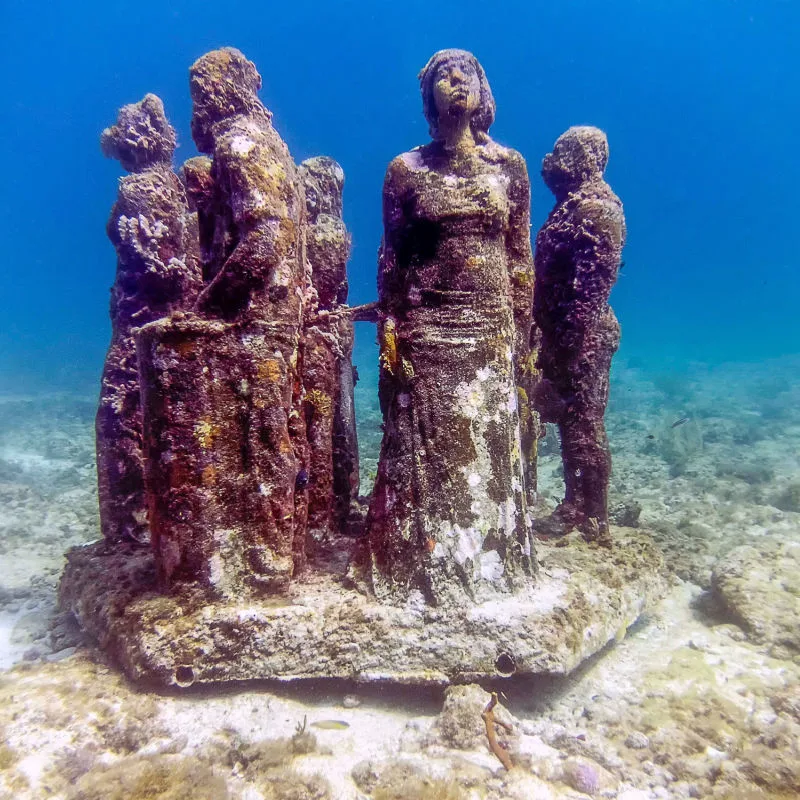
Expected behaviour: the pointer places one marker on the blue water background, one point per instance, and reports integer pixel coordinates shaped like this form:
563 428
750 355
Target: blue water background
700 99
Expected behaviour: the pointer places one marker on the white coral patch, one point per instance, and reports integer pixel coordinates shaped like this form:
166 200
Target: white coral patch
470 400
506 516
255 341
473 479
176 263
241 145
468 544
484 373
511 514
492 567
215 569
511 405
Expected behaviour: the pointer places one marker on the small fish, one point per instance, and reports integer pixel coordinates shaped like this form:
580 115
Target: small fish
302 479
679 422
331 724
651 436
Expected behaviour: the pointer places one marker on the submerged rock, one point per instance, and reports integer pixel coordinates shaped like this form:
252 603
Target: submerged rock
460 725
759 585
584 599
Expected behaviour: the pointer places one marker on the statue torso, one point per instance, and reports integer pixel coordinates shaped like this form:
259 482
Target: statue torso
455 219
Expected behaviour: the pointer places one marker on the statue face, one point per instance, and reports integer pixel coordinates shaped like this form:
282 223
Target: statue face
457 89
579 155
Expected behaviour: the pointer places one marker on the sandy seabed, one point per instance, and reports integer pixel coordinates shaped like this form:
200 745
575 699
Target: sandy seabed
699 699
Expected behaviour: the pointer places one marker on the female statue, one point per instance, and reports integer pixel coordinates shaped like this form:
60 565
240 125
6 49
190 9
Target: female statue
448 512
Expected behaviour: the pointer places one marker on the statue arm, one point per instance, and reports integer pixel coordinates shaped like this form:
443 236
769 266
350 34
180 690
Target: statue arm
520 256
261 215
518 248
390 279
602 225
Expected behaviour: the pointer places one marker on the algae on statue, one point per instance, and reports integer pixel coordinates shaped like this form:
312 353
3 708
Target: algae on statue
332 474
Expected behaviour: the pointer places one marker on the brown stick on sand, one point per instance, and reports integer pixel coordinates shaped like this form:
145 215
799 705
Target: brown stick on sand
494 745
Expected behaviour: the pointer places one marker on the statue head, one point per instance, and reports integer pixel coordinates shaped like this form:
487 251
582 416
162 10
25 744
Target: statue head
141 137
457 78
323 180
198 181
223 84
579 155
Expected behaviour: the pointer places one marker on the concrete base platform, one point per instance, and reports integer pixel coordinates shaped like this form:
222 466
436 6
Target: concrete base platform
583 597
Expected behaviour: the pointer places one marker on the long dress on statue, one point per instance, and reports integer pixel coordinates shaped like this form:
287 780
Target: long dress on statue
448 511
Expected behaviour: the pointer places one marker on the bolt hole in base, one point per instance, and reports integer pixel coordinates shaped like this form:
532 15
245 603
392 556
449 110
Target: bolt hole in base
504 665
184 676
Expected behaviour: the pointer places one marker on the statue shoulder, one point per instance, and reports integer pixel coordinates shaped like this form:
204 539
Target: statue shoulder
141 188
406 163
402 170
512 160
603 213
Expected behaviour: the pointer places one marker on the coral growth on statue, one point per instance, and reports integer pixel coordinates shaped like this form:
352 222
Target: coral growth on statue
448 512
578 253
158 272
227 432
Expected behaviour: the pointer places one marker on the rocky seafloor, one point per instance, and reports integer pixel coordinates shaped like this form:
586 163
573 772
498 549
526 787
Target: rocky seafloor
699 699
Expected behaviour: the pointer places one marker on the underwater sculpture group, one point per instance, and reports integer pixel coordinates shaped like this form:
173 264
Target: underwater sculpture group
226 438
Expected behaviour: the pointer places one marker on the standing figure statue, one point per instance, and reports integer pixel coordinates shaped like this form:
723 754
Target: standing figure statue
448 513
155 237
328 357
221 387
578 254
